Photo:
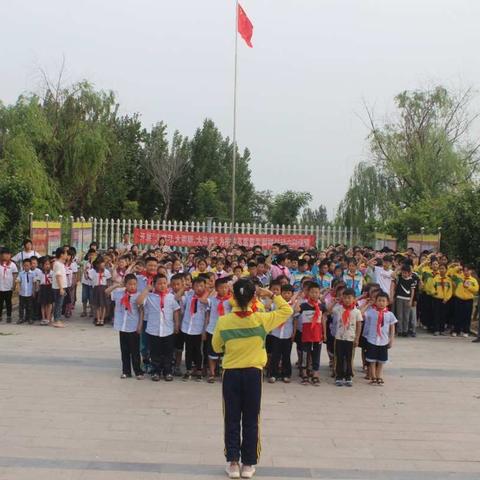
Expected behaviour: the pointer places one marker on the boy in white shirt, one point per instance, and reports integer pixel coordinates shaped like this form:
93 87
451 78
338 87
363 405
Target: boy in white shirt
8 276
26 280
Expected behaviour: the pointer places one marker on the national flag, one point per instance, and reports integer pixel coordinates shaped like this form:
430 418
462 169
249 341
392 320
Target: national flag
245 26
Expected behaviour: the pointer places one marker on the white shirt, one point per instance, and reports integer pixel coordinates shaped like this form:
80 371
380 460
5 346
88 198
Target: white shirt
160 321
123 319
59 270
87 266
21 256
6 276
384 278
95 277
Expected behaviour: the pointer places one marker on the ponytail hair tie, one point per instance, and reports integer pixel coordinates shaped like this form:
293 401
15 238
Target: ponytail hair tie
241 291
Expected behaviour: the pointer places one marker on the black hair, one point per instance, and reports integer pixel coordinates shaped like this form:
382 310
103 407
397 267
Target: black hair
221 281
387 258
59 252
34 257
151 259
243 291
312 284
5 250
302 262
129 276
26 260
198 279
177 276
158 276
382 294
275 282
288 288
27 240
251 264
349 291
406 268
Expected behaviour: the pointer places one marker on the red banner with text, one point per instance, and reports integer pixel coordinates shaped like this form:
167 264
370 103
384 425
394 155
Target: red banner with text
194 239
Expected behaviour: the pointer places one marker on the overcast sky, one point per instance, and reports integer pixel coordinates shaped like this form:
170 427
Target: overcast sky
301 88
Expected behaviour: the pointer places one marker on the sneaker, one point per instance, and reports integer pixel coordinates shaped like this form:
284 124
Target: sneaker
20 321
339 383
287 380
140 377
198 377
168 377
465 335
413 334
272 380
454 334
178 372
155 377
187 376
477 340
233 471
248 471
443 334
349 383
436 334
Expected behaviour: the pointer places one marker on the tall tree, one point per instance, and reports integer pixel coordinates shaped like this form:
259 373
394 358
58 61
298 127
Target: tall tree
421 155
314 217
286 207
166 165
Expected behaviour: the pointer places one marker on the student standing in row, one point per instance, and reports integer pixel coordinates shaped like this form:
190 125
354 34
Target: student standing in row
8 277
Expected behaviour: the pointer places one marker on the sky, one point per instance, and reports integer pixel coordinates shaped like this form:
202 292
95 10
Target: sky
302 89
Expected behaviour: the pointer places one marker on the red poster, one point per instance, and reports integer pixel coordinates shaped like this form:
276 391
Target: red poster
194 239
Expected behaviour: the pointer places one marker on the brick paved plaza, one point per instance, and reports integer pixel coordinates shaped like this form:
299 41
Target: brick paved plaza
66 414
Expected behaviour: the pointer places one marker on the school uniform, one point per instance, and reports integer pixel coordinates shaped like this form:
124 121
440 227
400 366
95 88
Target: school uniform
403 297
218 307
7 272
354 281
86 284
312 333
45 293
345 328
465 289
36 309
441 292
296 278
426 298
278 270
25 296
193 325
377 334
282 350
384 278
324 280
58 270
21 256
159 313
126 317
99 284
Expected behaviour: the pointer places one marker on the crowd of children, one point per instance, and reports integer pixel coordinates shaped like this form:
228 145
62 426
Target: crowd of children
164 303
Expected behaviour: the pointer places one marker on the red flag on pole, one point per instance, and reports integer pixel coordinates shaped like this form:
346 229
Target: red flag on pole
245 26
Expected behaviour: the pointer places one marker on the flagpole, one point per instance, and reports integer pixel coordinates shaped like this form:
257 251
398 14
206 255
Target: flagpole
234 156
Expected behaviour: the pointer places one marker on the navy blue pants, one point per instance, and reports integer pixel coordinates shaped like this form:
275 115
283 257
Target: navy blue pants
242 397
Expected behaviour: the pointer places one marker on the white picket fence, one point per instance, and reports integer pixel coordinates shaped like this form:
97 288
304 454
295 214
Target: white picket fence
108 232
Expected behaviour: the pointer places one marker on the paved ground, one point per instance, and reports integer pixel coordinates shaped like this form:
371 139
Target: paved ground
65 414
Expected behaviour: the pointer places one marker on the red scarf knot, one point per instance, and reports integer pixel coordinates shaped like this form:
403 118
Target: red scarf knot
194 305
220 307
316 306
125 301
346 314
380 319
162 296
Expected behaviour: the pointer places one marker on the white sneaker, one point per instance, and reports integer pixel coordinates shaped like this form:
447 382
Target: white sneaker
248 471
233 471
465 335
454 334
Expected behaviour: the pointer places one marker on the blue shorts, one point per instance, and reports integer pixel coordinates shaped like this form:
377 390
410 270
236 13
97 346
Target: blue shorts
376 353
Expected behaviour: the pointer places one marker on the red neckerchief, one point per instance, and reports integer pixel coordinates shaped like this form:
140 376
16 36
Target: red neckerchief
125 301
121 272
47 280
380 320
316 306
193 305
346 314
5 266
243 313
254 306
220 307
162 296
100 277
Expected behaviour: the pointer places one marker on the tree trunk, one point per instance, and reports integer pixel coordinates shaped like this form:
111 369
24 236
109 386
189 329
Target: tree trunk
167 209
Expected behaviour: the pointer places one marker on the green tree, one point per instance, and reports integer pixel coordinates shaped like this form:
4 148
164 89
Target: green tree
314 217
207 201
286 207
417 158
